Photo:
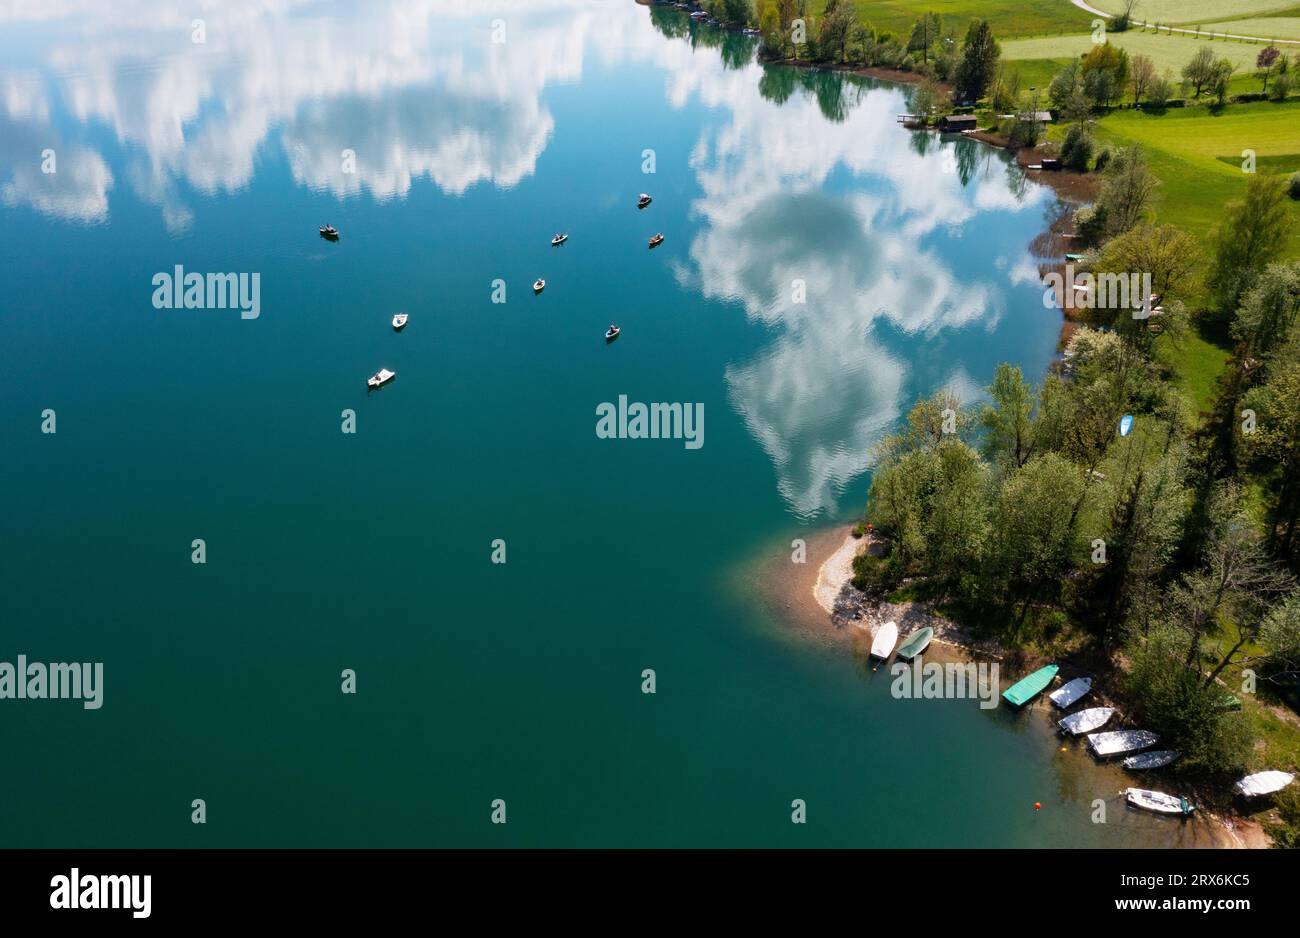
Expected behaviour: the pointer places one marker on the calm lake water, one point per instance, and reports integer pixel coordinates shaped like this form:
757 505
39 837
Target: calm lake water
372 551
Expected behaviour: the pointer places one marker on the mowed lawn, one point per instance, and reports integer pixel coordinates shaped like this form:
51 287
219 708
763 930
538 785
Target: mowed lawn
1192 11
1166 51
1271 27
1196 153
1009 18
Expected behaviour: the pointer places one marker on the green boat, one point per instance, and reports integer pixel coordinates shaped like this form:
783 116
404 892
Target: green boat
916 643
1027 688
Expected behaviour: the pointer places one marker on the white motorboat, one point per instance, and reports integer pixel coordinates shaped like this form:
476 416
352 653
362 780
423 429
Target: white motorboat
1263 783
1118 742
399 322
329 231
558 240
612 333
886 637
1071 692
1158 801
643 200
380 378
1156 759
539 285
1086 721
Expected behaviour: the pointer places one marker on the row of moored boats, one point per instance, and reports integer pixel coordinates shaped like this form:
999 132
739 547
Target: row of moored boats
1134 745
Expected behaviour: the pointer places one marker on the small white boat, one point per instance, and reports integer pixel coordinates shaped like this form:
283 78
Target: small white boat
399 322
329 231
643 200
1158 801
558 240
380 378
1263 783
1120 741
539 285
1150 760
612 333
656 240
1086 721
1071 693
886 638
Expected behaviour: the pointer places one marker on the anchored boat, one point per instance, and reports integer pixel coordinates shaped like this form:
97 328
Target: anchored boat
1263 783
558 240
1157 759
612 333
399 322
1158 801
916 643
330 232
886 638
1071 693
643 201
1117 742
656 240
1027 688
539 285
380 378
1086 721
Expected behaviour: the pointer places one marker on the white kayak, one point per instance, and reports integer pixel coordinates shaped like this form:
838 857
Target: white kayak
1086 721
886 638
1150 760
1071 693
1263 783
1119 741
1158 801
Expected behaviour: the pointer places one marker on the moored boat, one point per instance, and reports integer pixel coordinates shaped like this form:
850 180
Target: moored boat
558 240
399 322
1117 742
380 378
656 240
1263 783
539 285
612 333
1071 692
330 232
916 643
1156 759
1027 688
886 638
643 200
1158 801
1086 721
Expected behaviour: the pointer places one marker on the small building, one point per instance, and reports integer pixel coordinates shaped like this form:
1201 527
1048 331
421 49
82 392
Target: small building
955 123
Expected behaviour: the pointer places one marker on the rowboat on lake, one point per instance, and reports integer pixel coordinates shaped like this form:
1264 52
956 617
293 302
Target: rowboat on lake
399 322
1118 742
1027 688
1086 721
1157 759
1071 693
916 643
380 378
1158 801
886 638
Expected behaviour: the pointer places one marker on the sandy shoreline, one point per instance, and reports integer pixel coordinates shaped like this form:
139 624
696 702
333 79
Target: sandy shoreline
818 602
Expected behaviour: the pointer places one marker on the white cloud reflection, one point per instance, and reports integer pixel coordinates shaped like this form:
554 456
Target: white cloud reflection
417 90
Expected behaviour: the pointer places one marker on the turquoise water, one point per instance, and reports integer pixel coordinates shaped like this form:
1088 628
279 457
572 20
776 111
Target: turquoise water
372 551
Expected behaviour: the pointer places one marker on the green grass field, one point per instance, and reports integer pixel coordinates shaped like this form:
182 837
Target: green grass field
1276 27
1192 11
1009 18
1196 153
1166 51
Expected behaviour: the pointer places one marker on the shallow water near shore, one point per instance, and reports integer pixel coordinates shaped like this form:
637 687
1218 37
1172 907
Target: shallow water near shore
822 269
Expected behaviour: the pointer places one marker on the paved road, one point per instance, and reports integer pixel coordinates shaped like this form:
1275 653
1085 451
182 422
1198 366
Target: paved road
1191 32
